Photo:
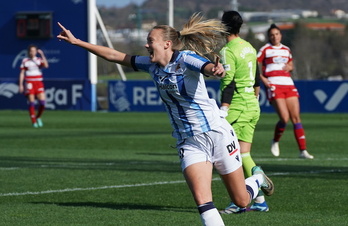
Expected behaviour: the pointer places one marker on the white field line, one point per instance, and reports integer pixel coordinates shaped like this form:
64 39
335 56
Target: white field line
91 188
151 184
9 168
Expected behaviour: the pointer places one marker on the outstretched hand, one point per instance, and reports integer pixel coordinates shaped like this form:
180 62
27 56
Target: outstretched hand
218 68
66 35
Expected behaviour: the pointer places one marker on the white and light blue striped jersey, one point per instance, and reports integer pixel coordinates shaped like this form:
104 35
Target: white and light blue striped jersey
182 89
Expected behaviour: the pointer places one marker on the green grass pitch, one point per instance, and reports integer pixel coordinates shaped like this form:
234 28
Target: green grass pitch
85 168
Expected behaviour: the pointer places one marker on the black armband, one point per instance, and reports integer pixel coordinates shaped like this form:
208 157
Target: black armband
257 78
133 63
202 68
227 93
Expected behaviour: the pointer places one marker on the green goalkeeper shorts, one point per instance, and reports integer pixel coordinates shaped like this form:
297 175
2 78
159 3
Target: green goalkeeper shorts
244 123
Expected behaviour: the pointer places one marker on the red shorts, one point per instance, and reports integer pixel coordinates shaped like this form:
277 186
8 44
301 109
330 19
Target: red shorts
281 92
34 87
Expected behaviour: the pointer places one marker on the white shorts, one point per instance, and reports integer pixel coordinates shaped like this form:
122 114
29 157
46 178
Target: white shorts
219 146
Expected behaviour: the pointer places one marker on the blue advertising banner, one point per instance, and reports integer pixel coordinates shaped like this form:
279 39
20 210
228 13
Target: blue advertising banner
25 22
60 95
64 60
134 96
315 96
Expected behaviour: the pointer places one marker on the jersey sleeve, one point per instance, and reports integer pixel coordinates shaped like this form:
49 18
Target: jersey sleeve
262 53
229 62
141 63
290 55
195 62
227 83
22 66
42 65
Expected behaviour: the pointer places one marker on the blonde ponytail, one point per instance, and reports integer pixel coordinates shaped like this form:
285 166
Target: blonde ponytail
205 37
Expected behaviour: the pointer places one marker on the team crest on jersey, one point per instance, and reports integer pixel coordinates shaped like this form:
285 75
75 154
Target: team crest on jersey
177 67
237 158
165 84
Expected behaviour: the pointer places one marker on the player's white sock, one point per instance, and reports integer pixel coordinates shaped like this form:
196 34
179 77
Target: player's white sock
210 216
260 199
253 184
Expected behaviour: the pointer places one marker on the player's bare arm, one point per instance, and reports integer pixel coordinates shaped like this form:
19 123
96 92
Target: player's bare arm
262 77
43 57
21 81
101 51
215 69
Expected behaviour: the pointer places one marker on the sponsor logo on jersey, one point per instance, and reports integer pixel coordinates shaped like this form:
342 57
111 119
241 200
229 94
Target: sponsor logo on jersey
168 86
231 148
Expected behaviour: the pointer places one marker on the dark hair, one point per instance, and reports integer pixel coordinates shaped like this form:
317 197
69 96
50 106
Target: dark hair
273 26
31 46
233 21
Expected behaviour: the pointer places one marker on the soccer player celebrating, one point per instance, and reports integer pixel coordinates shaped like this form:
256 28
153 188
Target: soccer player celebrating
204 139
240 88
34 88
275 62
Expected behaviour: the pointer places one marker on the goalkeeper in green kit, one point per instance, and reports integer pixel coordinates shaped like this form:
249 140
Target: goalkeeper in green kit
239 97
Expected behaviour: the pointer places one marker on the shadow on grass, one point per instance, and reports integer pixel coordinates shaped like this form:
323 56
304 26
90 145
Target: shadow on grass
42 134
90 164
121 206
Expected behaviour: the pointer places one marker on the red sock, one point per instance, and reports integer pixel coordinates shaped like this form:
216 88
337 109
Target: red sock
278 131
300 136
32 112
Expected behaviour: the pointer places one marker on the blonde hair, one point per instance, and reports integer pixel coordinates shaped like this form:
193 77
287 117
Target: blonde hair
205 37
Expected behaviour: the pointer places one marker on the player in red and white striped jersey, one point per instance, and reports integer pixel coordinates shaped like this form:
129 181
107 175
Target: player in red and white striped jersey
275 62
31 78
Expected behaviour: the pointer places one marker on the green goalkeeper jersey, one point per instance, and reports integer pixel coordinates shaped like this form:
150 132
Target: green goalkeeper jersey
239 60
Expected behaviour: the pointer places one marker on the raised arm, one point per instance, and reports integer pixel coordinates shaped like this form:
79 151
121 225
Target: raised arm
101 51
43 57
